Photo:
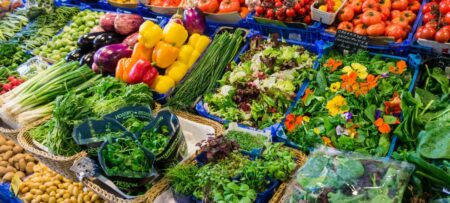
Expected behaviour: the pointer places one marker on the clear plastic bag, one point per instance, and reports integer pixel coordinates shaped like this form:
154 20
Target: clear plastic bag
32 67
334 176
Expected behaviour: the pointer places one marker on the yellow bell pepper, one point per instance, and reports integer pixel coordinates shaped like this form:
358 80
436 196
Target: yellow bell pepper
164 54
150 34
194 56
199 42
162 84
185 53
175 34
177 71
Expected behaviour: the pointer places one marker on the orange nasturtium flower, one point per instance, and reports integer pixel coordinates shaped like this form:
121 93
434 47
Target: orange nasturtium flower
383 127
393 105
307 92
299 120
333 64
400 67
379 122
327 141
349 81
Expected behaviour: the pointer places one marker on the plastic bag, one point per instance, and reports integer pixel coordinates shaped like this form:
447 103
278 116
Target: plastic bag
32 67
333 176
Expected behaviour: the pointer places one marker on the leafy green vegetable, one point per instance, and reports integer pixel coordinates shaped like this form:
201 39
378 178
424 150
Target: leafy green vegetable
156 139
247 141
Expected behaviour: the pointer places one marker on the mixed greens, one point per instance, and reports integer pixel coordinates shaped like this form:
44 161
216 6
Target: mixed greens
155 139
245 140
258 91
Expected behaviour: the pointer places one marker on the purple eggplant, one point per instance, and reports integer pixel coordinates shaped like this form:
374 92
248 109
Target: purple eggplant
86 42
106 39
107 57
87 59
74 55
194 21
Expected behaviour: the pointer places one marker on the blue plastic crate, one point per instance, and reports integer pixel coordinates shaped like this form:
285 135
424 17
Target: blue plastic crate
317 48
414 61
398 49
310 34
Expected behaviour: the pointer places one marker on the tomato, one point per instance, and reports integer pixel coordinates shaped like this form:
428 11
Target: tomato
414 6
428 33
290 12
278 4
346 14
259 10
269 13
297 7
227 6
419 32
442 36
447 27
385 12
307 19
434 24
427 17
208 6
302 11
386 3
444 7
357 19
399 4
400 21
360 29
446 18
428 7
409 15
357 6
345 25
376 29
370 4
280 13
395 31
395 13
371 17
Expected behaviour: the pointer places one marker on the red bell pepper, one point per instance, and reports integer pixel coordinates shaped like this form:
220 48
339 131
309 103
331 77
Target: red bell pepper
150 76
141 71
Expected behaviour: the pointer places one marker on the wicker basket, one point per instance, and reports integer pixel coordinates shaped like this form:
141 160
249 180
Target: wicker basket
9 133
162 184
300 160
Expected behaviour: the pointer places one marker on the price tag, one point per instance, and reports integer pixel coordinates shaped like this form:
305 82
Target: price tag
349 42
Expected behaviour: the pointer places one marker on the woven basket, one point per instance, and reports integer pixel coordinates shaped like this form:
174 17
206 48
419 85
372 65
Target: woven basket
162 184
300 160
9 133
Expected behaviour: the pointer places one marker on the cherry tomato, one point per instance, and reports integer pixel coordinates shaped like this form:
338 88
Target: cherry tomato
399 4
345 25
428 33
371 17
290 12
259 10
280 13
269 13
395 31
444 7
302 11
346 14
360 29
428 7
427 17
307 19
278 4
419 32
297 7
376 29
442 36
446 18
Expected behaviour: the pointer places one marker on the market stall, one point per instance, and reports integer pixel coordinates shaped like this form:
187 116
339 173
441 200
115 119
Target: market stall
224 101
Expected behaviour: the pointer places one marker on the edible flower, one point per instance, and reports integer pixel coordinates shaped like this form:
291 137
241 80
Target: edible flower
399 68
335 105
299 120
316 131
347 115
335 86
341 131
307 92
327 141
358 68
333 64
306 118
383 127
393 106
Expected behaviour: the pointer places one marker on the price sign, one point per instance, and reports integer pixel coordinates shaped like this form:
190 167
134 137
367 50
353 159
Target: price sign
349 42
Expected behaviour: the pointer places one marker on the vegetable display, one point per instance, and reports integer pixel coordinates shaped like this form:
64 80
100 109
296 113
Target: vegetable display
207 70
435 21
352 104
11 56
259 90
287 11
229 176
48 186
66 41
246 141
12 23
330 176
223 7
14 161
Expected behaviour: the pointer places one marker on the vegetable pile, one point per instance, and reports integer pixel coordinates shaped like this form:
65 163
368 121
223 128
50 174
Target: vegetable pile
435 22
284 10
12 23
48 186
259 90
65 42
229 176
352 104
14 161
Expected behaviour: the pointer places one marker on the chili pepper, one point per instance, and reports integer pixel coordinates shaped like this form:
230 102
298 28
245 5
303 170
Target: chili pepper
175 34
150 34
177 71
164 54
163 84
185 53
141 52
150 76
139 69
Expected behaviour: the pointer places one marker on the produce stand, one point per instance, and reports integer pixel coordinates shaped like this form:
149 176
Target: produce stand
230 101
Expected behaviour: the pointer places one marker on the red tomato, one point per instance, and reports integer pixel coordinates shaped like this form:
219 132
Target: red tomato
371 4
395 13
371 17
347 26
414 6
280 13
307 19
357 19
376 29
434 24
297 7
427 17
428 33
269 13
442 36
395 31
444 7
428 7
302 11
346 14
290 12
400 21
259 10
278 4
409 15
399 4
419 32
360 29
357 6
446 18
386 3
385 12
447 27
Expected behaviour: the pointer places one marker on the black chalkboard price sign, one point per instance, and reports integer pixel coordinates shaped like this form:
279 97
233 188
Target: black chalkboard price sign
349 42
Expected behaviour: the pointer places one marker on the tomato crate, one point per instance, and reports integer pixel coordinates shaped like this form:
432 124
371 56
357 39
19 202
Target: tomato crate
414 62
316 48
100 4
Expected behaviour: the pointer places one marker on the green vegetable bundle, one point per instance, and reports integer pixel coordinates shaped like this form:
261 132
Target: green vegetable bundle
12 23
11 56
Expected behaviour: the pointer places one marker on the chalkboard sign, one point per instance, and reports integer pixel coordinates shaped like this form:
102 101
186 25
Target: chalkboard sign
350 42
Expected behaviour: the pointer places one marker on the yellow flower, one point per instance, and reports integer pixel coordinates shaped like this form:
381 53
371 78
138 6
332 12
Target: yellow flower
306 118
347 69
335 86
360 69
335 105
316 131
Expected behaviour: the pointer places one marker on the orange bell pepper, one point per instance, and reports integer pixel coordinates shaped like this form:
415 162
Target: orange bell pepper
123 69
164 54
141 52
